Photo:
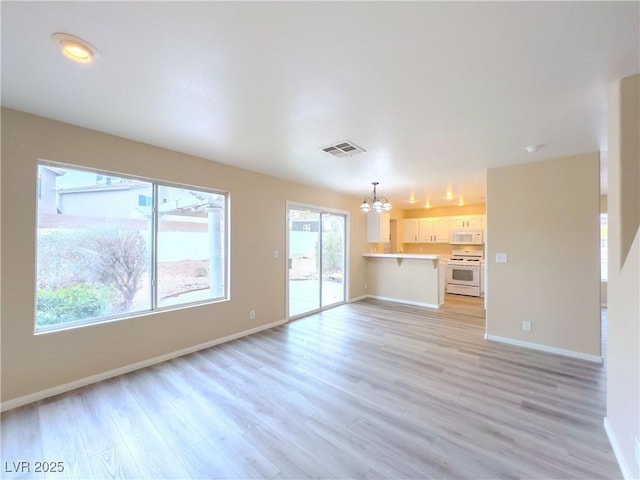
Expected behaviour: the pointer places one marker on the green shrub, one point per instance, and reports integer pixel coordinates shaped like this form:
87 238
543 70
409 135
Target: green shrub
106 256
69 304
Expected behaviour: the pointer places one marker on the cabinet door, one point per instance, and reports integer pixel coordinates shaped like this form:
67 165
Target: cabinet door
441 229
385 227
475 222
378 227
410 230
425 230
458 223
467 222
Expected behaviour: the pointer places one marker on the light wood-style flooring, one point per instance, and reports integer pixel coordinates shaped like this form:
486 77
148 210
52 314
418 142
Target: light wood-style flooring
362 391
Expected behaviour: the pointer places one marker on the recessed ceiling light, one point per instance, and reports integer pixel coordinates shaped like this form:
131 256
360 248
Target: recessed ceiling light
75 48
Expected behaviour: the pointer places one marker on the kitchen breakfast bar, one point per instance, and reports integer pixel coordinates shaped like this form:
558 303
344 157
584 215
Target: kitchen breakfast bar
409 278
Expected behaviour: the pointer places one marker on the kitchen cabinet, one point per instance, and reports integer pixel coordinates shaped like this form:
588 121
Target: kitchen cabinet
438 229
378 227
467 222
410 230
426 230
434 229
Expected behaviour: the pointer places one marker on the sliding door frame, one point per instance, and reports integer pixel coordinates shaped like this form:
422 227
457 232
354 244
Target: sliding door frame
345 278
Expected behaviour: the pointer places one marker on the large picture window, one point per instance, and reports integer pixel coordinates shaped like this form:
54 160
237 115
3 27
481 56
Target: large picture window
110 247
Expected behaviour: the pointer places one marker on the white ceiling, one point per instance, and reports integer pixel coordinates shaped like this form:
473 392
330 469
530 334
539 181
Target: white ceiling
435 93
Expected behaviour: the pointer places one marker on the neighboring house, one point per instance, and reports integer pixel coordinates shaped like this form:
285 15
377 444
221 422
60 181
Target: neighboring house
116 198
105 200
47 178
305 226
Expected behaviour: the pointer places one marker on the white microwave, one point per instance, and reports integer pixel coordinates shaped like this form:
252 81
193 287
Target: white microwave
466 237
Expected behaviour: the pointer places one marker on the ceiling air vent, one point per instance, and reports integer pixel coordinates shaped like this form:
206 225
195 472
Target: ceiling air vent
343 149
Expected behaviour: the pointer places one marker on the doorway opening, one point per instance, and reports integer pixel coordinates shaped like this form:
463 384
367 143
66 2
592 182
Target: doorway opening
316 247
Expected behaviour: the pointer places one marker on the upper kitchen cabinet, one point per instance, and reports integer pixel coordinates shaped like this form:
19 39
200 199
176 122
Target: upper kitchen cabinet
410 230
434 229
467 222
426 230
378 227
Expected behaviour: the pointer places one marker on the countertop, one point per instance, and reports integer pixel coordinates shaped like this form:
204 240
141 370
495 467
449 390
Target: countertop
415 256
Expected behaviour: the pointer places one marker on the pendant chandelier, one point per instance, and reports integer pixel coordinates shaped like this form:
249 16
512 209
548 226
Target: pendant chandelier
374 202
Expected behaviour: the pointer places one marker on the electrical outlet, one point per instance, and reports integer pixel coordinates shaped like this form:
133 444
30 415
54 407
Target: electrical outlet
526 325
252 314
276 254
365 286
501 258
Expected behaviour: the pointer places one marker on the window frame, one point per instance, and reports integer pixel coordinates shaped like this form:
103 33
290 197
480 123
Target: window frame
604 248
153 250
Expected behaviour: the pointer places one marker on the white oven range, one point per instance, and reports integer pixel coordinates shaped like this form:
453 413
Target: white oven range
463 272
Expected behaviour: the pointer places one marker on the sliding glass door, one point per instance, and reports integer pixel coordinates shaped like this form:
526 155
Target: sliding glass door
332 259
316 246
304 261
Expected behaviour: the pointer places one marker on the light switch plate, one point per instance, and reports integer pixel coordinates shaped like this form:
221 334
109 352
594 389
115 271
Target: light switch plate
501 258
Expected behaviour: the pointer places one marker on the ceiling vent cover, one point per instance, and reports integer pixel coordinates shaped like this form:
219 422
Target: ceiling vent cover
343 149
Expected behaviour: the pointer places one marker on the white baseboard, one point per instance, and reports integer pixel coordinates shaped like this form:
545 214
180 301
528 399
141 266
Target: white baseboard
545 348
615 446
406 302
357 299
50 392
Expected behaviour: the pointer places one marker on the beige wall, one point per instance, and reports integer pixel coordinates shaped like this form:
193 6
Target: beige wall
33 363
623 326
545 217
